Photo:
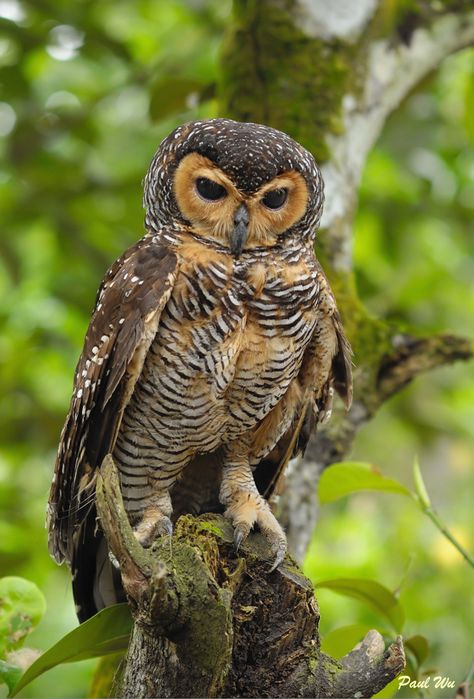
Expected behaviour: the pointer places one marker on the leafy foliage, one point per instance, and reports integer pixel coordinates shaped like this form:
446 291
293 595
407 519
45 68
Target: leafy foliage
349 477
372 592
342 640
346 478
22 606
105 633
88 91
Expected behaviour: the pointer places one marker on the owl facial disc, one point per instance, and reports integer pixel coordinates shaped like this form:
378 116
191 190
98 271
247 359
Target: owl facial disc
205 170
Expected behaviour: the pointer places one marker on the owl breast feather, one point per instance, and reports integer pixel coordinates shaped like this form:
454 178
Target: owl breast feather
224 354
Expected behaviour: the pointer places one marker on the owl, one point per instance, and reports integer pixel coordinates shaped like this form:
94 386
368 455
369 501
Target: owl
214 347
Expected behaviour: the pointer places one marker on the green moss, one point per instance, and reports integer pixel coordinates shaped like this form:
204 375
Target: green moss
275 74
208 643
203 629
361 327
313 662
291 568
210 527
322 674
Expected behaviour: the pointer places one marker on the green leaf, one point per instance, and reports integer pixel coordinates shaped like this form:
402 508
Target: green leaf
419 647
106 632
349 477
9 674
420 486
371 592
22 605
170 95
388 691
343 639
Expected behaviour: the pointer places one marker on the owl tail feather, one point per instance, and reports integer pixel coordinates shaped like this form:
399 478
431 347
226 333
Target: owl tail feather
96 582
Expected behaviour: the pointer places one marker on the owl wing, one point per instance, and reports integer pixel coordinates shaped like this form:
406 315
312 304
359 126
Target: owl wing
327 365
123 325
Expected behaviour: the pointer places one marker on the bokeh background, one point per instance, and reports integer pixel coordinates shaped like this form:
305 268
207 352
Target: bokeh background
88 90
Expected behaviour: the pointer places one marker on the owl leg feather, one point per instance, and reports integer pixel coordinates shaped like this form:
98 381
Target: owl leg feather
246 507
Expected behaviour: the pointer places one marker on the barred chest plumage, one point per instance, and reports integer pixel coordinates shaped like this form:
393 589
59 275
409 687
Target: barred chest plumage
230 341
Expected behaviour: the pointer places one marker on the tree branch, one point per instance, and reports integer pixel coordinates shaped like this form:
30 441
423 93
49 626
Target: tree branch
369 666
413 356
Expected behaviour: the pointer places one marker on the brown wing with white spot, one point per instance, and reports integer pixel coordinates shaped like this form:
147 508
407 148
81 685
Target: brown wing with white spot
125 320
326 366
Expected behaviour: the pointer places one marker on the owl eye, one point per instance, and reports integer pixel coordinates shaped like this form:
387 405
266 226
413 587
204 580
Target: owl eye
208 189
275 198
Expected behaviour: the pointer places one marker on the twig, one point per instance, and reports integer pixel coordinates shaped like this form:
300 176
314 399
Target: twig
369 667
414 355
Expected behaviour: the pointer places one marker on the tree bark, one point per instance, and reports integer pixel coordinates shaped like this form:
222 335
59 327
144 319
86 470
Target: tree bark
210 622
330 73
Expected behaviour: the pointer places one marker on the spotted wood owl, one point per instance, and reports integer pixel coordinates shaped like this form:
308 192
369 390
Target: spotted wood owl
214 346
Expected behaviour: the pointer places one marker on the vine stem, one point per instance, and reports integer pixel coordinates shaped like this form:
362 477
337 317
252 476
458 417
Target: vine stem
445 531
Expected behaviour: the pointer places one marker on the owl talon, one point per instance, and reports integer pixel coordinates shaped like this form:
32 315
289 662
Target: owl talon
279 557
246 509
241 532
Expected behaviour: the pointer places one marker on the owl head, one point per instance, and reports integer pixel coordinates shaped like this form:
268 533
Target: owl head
240 185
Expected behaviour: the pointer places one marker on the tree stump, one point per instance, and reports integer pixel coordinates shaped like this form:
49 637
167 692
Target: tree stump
210 622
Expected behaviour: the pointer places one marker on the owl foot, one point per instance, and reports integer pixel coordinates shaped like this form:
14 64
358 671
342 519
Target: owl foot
153 525
247 509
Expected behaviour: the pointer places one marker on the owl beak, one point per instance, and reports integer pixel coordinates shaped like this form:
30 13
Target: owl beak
240 231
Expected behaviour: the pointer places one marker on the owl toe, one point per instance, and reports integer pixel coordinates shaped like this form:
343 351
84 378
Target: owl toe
274 534
151 529
279 551
247 509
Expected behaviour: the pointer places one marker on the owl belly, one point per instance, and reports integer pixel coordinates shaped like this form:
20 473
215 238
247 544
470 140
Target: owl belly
216 368
199 396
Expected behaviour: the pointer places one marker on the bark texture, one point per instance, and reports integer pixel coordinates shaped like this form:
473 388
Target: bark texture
330 73
210 622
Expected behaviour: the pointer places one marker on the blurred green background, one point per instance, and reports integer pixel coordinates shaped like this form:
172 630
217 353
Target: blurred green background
88 90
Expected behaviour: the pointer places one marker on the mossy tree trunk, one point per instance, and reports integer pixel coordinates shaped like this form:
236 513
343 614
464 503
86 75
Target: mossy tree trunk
209 622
